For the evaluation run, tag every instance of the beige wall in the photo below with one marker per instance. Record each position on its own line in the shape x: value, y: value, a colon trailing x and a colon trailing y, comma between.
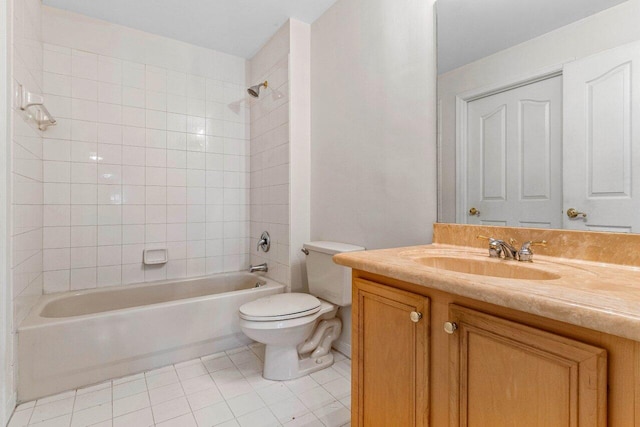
x: 373, y: 125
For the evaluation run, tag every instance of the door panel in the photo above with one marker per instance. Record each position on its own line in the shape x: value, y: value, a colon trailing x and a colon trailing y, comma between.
x: 602, y: 140
x: 493, y: 145
x: 502, y: 131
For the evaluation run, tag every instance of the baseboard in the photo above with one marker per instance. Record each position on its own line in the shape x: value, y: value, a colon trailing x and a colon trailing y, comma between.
x: 343, y: 347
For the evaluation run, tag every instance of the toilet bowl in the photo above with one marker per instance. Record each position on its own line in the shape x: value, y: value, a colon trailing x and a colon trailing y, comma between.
x: 296, y: 328
x: 285, y: 327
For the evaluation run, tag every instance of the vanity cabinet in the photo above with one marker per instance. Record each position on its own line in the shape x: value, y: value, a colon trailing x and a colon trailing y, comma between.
x: 506, y: 373
x: 498, y: 367
x: 390, y: 356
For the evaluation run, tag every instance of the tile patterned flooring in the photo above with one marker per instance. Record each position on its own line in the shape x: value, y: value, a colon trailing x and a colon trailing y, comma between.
x: 224, y: 389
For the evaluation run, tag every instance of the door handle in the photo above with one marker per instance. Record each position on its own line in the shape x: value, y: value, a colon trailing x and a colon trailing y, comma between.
x: 573, y: 213
x: 474, y: 212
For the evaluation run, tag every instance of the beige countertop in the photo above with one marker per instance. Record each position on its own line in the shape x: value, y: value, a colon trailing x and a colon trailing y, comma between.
x: 599, y: 296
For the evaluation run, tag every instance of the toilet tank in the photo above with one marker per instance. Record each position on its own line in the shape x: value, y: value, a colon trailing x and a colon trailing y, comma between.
x: 328, y: 280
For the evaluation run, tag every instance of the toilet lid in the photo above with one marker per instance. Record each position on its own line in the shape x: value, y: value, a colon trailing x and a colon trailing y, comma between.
x: 280, y: 307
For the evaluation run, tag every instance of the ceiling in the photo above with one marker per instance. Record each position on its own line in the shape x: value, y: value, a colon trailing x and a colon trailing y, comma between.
x: 237, y: 27
x: 472, y: 29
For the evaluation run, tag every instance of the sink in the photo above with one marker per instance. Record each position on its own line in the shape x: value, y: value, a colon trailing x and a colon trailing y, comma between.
x: 487, y: 267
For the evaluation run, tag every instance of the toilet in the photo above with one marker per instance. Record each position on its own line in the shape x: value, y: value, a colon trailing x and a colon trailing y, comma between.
x: 297, y: 328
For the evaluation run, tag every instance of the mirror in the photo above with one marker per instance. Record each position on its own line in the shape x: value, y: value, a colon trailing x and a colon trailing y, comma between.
x: 535, y: 120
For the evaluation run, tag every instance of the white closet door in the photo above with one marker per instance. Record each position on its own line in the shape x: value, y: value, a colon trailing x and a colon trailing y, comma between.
x: 602, y: 140
x: 514, y: 156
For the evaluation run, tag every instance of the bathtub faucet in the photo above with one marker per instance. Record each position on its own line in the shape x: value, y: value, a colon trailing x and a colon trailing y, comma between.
x: 259, y: 267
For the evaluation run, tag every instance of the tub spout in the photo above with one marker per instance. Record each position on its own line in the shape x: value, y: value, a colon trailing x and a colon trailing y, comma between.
x: 259, y: 267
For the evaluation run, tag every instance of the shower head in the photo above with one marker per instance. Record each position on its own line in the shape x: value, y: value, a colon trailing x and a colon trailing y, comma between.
x: 255, y: 90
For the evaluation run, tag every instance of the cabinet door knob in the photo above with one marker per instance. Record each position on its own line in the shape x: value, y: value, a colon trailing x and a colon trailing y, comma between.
x: 450, y: 327
x: 415, y: 316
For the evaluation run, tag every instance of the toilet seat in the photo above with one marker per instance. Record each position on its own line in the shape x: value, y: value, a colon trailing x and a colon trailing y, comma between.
x: 280, y: 307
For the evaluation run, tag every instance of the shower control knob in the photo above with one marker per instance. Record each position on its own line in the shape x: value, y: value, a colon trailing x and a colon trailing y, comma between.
x: 450, y: 327
x: 415, y: 316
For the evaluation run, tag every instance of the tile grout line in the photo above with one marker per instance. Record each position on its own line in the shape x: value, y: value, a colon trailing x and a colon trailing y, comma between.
x: 146, y: 384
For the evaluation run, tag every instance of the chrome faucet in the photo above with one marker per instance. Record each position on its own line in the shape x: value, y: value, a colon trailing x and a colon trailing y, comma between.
x: 259, y: 267
x: 501, y: 249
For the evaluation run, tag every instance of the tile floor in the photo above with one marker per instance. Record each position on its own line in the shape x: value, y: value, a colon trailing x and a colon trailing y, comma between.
x: 224, y: 389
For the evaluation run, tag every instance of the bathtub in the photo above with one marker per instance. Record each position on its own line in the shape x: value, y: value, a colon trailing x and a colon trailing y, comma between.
x: 75, y: 339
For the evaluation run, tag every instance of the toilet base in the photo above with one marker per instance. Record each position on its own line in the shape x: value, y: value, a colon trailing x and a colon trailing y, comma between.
x: 284, y: 363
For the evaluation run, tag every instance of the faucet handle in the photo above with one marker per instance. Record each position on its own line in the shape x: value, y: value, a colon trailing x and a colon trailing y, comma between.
x: 525, y: 253
x: 495, y: 251
x: 527, y: 245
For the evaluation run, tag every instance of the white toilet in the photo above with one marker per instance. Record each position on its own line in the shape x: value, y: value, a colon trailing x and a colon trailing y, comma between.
x: 298, y: 329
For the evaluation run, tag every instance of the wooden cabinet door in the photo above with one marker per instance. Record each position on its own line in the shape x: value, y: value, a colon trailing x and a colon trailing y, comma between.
x: 507, y: 374
x: 390, y: 350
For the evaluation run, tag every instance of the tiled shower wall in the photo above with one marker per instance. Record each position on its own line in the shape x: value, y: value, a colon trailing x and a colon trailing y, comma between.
x: 270, y: 155
x: 26, y: 162
x: 24, y: 224
x: 151, y: 150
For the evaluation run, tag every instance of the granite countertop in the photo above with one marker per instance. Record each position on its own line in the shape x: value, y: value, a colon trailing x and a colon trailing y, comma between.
x: 599, y: 296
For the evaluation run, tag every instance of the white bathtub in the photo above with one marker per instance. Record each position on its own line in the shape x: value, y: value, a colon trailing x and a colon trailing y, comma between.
x: 79, y: 338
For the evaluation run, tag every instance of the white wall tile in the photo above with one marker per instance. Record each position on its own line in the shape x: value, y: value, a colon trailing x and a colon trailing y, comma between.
x: 110, y: 154
x: 56, y: 84
x: 56, y: 281
x: 84, y: 88
x: 133, y: 74
x: 84, y: 215
x: 56, y: 237
x: 138, y: 159
x: 83, y: 278
x: 110, y: 93
x: 133, y: 234
x: 109, y: 235
x: 109, y: 275
x: 57, y: 194
x: 133, y: 97
x: 84, y: 110
x: 56, y: 172
x: 56, y: 259
x: 84, y: 194
x: 133, y: 214
x: 84, y: 64
x: 84, y: 173
x: 133, y: 136
x: 56, y: 62
x: 84, y: 235
x: 83, y: 257
x: 133, y: 116
x: 109, y: 113
x: 109, y: 70
x: 109, y: 255
x: 156, y: 138
x: 110, y: 134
